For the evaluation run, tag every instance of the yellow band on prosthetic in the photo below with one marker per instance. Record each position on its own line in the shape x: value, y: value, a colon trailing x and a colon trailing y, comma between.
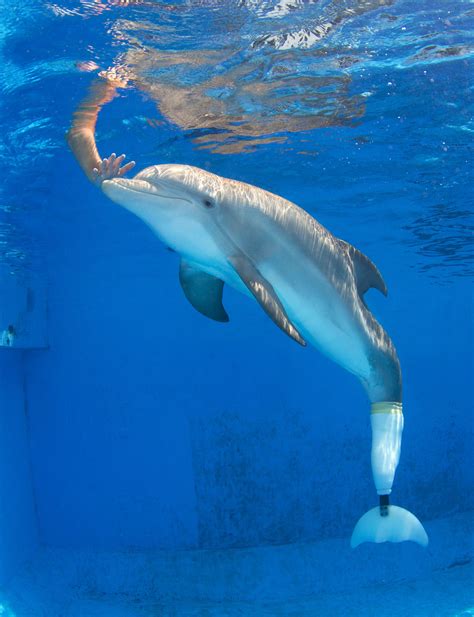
x: 387, y: 407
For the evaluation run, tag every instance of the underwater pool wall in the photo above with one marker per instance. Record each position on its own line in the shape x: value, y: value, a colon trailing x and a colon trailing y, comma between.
x: 18, y: 525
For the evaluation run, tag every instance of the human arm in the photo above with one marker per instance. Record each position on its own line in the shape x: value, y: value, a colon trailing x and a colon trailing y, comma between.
x: 81, y: 135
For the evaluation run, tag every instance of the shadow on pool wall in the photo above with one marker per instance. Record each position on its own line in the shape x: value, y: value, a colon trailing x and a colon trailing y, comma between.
x: 18, y: 525
x: 151, y: 426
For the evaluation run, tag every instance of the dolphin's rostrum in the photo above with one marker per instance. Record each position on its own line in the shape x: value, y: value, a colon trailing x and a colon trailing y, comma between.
x: 310, y: 283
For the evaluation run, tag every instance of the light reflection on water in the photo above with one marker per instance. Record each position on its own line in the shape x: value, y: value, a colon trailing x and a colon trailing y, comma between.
x: 243, y: 76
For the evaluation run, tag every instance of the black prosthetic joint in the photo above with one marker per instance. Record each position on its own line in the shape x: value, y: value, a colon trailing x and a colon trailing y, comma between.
x: 384, y: 502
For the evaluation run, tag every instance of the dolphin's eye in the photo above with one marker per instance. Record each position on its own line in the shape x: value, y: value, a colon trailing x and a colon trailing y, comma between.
x: 208, y: 203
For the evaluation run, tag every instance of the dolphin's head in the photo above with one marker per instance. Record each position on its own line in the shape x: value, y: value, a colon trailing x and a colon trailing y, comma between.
x: 178, y: 202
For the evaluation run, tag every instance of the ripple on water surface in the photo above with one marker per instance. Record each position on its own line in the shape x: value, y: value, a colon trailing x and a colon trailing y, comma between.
x: 346, y: 93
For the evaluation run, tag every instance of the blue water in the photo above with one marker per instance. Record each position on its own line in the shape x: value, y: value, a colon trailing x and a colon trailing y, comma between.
x: 153, y: 462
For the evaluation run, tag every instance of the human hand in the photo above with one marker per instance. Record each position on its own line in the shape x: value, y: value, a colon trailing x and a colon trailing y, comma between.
x: 111, y: 168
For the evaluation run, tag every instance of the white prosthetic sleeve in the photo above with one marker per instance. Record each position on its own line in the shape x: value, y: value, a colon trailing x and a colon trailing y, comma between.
x: 387, y: 426
x: 387, y: 523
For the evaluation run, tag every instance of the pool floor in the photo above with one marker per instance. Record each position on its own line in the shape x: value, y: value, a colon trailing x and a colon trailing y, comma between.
x: 324, y: 578
x: 449, y: 593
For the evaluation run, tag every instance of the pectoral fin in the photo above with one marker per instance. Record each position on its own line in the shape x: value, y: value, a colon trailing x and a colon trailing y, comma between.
x: 203, y: 291
x: 265, y: 295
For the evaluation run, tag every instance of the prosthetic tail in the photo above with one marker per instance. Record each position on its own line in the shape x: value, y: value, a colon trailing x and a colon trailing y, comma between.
x: 387, y: 523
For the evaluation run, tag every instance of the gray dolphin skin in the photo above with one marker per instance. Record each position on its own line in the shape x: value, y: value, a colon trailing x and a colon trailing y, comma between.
x: 310, y: 283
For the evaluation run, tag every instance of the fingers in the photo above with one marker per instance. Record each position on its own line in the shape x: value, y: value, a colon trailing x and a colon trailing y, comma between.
x: 126, y: 168
x: 118, y: 163
x: 107, y: 167
x: 110, y: 165
x: 111, y: 168
x: 97, y: 178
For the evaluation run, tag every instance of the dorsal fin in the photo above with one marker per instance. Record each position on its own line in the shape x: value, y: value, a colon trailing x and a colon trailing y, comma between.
x: 366, y: 272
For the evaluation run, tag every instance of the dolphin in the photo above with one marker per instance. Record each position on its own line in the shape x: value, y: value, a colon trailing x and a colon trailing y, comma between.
x: 309, y: 283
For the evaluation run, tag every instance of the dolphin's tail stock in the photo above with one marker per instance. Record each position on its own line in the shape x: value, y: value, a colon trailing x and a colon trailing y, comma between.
x: 387, y: 523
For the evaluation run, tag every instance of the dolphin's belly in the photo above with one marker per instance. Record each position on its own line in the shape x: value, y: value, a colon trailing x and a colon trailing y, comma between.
x: 320, y: 314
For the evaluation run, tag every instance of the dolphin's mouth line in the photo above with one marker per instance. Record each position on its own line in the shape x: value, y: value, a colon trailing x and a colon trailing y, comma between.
x: 150, y: 193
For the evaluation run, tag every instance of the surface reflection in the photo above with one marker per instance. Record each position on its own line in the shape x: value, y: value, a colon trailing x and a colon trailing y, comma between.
x: 247, y: 103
